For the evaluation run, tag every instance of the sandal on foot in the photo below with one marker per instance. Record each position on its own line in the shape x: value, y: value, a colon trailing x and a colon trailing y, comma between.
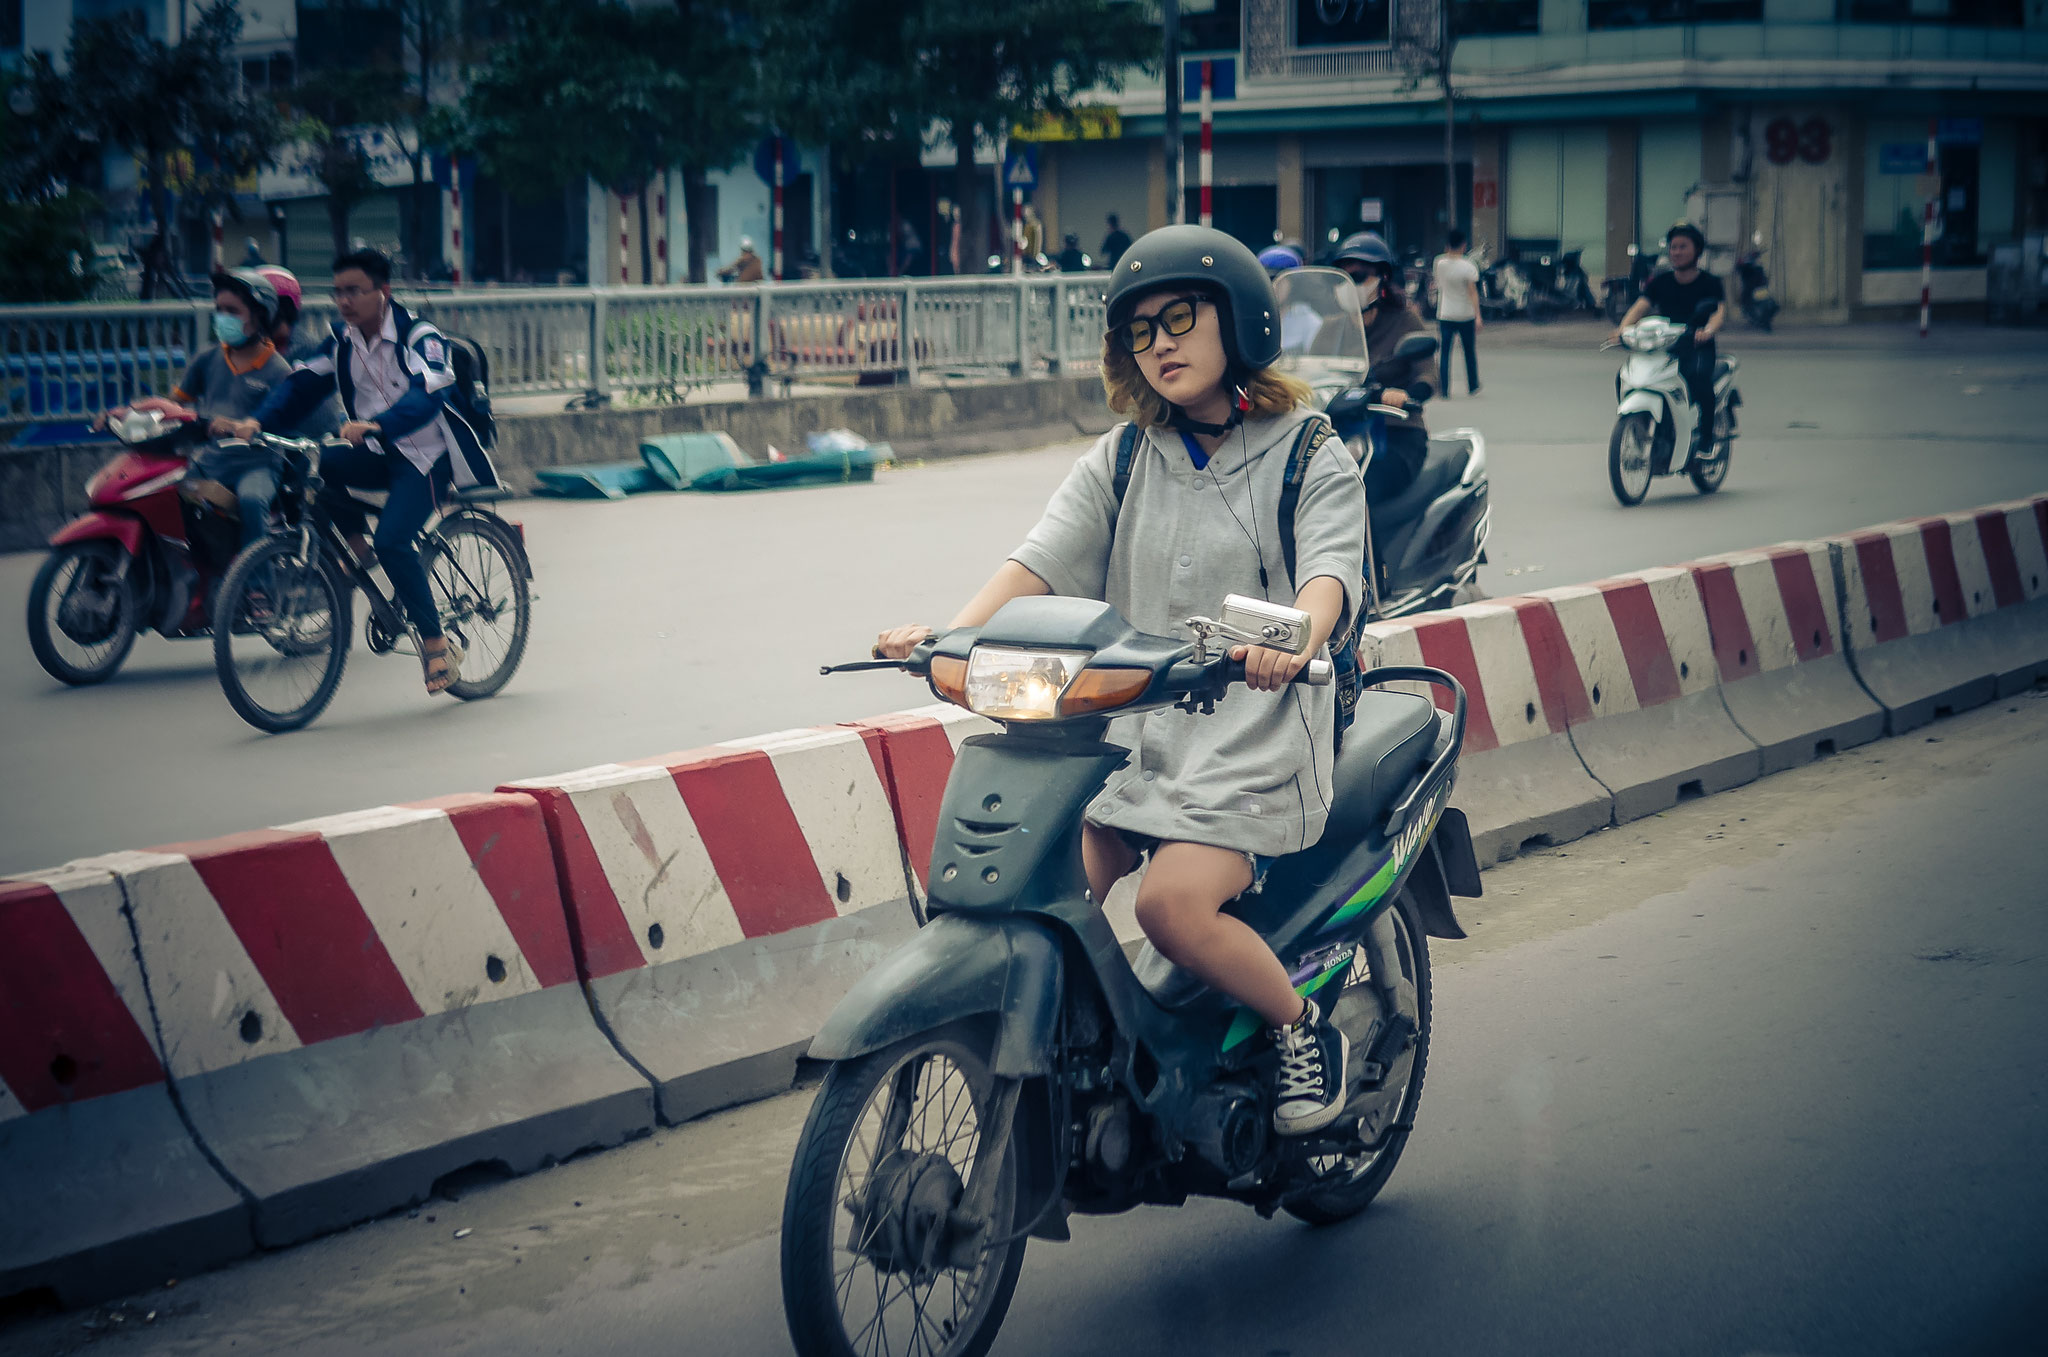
x: 442, y: 667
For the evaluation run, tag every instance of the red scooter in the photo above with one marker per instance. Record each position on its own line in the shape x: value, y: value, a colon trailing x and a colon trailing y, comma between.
x: 148, y: 554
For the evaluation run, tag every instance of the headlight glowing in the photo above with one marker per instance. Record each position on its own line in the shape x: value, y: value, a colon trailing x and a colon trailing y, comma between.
x: 1006, y: 684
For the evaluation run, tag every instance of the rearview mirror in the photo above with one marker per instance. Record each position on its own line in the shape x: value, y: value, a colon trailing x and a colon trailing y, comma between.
x: 1415, y: 347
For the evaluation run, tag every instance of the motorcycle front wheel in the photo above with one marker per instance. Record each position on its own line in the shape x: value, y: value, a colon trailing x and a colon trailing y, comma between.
x: 1628, y: 457
x: 885, y: 1156
x: 1346, y: 1185
x: 82, y: 613
x: 1708, y: 473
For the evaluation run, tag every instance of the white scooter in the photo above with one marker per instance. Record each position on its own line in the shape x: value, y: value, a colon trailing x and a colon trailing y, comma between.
x: 1653, y: 423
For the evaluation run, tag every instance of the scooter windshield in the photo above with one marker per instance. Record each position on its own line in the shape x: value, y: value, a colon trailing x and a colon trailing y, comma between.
x: 1322, y: 335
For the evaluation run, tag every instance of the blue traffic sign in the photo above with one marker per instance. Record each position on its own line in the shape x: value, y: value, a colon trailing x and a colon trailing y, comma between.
x: 1222, y: 79
x: 1020, y: 168
x: 764, y: 160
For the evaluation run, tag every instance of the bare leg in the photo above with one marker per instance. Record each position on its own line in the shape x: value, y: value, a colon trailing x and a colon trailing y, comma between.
x: 1108, y: 858
x: 1180, y: 906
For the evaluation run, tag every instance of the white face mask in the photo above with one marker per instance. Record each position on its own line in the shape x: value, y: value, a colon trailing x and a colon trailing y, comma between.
x: 1369, y: 291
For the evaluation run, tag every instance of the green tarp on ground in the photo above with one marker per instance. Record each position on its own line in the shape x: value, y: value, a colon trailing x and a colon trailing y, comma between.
x: 711, y: 462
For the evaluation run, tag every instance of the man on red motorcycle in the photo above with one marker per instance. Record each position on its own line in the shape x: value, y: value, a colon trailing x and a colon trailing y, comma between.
x: 226, y: 384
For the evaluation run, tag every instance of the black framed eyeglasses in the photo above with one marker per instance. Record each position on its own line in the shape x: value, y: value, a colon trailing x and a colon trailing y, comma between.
x: 1177, y: 317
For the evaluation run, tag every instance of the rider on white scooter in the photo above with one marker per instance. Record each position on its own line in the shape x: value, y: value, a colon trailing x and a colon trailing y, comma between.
x: 1676, y: 294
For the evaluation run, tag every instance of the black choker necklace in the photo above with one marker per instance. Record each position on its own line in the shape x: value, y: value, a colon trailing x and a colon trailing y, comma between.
x: 1239, y: 408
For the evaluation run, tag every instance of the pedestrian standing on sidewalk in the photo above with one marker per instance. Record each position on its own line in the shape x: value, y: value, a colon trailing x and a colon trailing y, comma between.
x: 1457, y: 310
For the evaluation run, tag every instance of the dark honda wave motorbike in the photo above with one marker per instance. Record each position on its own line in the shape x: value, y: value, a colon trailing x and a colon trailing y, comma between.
x: 1753, y: 289
x: 1009, y: 1067
x: 1424, y: 547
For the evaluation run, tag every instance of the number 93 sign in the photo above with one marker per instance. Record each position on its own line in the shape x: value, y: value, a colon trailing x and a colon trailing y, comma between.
x: 1786, y: 141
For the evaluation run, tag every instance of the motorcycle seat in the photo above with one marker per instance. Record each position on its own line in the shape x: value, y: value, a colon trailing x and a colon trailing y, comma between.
x: 1441, y: 469
x: 1388, y: 743
x: 476, y: 494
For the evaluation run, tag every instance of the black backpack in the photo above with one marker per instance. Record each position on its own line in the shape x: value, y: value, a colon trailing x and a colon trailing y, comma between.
x: 470, y: 397
x: 1307, y: 442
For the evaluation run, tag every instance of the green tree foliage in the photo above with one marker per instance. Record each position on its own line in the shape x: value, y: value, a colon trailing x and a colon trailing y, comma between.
x: 338, y: 109
x: 162, y: 102
x: 613, y: 92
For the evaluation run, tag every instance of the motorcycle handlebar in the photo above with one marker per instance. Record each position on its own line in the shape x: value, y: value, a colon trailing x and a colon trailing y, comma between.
x: 1188, y: 676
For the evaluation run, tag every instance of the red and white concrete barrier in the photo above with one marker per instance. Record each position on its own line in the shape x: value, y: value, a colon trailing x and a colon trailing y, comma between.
x: 1647, y: 717
x: 1520, y: 780
x: 1778, y: 642
x: 354, y: 1007
x: 102, y: 1189
x: 1947, y: 613
x: 723, y: 900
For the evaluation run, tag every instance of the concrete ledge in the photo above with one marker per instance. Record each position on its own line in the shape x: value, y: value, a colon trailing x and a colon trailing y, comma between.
x: 42, y: 488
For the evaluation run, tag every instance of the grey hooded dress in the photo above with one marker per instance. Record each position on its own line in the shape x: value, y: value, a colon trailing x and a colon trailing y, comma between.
x: 1254, y: 776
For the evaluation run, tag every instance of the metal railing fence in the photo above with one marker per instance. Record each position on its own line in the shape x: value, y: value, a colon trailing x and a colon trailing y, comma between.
x: 650, y: 343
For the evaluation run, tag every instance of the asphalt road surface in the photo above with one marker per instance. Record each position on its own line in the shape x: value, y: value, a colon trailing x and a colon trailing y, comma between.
x: 1761, y: 1075
x: 665, y: 623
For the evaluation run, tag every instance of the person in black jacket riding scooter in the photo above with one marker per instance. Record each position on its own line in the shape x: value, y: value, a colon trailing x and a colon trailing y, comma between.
x: 1389, y: 319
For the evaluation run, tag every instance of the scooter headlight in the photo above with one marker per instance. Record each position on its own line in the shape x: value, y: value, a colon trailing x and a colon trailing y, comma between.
x: 1007, y: 684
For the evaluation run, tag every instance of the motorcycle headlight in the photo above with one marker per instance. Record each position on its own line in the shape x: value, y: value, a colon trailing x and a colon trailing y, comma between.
x: 1006, y: 684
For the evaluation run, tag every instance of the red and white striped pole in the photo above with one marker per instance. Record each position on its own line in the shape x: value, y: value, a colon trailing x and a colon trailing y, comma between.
x: 661, y: 227
x: 625, y: 243
x: 219, y: 240
x: 1927, y: 230
x: 1208, y: 166
x: 776, y: 272
x: 451, y: 210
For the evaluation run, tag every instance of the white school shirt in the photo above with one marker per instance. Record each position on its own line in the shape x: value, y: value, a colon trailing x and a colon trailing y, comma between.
x: 381, y: 377
x: 1453, y: 300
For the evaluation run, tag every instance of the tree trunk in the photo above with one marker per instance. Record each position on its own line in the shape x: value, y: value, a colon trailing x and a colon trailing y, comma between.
x: 967, y: 202
x: 505, y: 238
x: 158, y: 251
x: 337, y: 220
x: 823, y: 195
x: 693, y: 214
x: 416, y: 252
x: 646, y: 246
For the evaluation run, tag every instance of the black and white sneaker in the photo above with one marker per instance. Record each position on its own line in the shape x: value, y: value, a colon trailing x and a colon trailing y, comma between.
x: 1309, y: 1090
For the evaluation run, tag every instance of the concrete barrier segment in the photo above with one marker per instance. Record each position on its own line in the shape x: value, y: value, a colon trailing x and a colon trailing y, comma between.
x: 1907, y: 592
x: 102, y: 1188
x: 724, y: 899
x: 917, y: 748
x: 1520, y: 780
x: 1777, y: 635
x: 1649, y: 722
x: 354, y: 1007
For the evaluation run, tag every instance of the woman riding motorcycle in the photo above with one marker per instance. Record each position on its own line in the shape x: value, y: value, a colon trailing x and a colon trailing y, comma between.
x: 1389, y: 319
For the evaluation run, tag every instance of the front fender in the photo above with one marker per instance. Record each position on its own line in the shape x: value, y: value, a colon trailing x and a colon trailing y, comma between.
x: 958, y: 966
x: 1641, y: 401
x: 123, y: 528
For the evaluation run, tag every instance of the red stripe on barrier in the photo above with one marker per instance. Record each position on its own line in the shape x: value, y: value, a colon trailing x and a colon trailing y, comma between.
x: 1447, y: 645
x: 1941, y: 568
x: 920, y: 759
x: 1999, y: 559
x: 1881, y: 588
x: 507, y: 843
x: 1812, y: 636
x: 300, y: 922
x: 1727, y: 621
x: 755, y: 842
x: 598, y: 932
x: 1558, y: 681
x: 65, y: 1035
x: 1641, y: 631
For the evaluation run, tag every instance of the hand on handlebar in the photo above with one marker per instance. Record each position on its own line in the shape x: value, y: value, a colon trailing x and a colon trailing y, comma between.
x: 1266, y: 669
x: 356, y: 430
x: 897, y: 642
x: 237, y: 428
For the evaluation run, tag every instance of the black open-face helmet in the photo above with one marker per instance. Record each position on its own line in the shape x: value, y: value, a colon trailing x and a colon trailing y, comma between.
x: 1217, y: 263
x: 1364, y: 247
x: 1691, y: 232
x: 255, y: 290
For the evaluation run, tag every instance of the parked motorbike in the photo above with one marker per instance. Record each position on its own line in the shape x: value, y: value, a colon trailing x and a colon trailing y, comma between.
x: 1009, y: 1066
x: 1753, y: 288
x: 1654, y: 420
x: 1504, y: 289
x: 1559, y: 285
x: 1419, y: 282
x: 147, y: 555
x: 1619, y: 293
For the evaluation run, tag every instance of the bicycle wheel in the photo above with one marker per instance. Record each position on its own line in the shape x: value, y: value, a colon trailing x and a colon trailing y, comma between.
x: 478, y: 574
x: 280, y: 634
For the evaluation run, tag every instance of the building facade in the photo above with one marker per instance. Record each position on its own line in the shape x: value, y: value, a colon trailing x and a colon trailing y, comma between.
x: 1592, y: 125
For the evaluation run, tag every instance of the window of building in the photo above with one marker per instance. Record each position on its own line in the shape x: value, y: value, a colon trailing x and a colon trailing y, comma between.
x: 1342, y: 23
x: 1977, y: 165
x: 1219, y: 28
x: 13, y: 32
x: 1960, y: 13
x: 1487, y: 18
x: 351, y: 33
x: 1643, y: 13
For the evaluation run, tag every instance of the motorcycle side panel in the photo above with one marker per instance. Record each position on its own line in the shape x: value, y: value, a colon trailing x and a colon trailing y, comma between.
x: 120, y: 527
x: 958, y: 966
